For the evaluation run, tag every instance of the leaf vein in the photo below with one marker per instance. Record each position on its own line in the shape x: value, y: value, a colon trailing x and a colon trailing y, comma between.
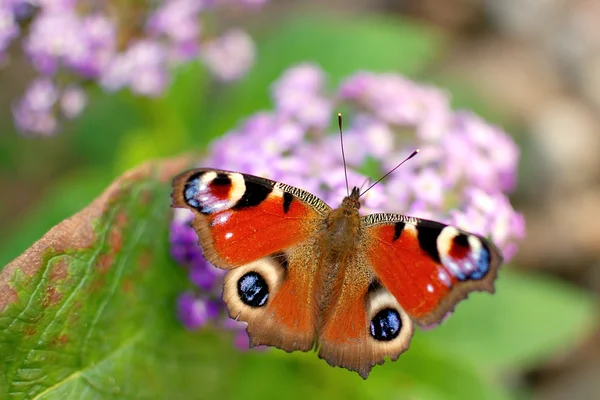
x: 131, y: 341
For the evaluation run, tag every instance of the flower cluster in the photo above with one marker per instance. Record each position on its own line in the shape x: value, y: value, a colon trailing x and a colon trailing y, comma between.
x: 462, y: 175
x: 115, y: 44
x: 197, y: 309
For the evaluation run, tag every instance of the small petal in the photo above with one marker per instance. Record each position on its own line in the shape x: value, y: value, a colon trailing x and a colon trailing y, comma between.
x: 230, y: 56
x: 73, y: 101
x: 195, y: 312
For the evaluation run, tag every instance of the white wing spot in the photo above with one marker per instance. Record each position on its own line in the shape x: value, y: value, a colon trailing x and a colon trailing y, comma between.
x: 277, y: 192
x: 222, y: 218
x: 444, y: 278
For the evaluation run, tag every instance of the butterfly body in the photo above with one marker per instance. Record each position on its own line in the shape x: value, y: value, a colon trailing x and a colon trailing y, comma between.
x: 306, y: 276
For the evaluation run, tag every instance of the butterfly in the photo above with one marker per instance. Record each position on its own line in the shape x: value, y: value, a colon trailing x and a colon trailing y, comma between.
x: 305, y: 276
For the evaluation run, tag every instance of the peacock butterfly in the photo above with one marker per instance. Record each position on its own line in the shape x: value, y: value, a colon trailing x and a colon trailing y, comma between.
x: 305, y: 276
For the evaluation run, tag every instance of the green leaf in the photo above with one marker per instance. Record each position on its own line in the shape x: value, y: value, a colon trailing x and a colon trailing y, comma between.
x: 530, y: 318
x: 341, y: 45
x: 88, y: 310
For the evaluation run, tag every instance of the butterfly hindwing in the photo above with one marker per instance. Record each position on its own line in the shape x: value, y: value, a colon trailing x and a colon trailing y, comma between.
x: 364, y: 324
x: 428, y: 266
x: 260, y: 231
x: 273, y: 296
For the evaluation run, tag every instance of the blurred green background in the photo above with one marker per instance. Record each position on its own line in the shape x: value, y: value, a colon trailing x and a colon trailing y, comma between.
x: 537, y: 337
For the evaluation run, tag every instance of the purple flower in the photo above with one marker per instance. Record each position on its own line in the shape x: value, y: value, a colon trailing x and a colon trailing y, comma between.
x: 297, y: 96
x: 77, y: 46
x: 142, y: 68
x: 54, y: 39
x: 35, y: 110
x: 177, y: 21
x: 99, y: 34
x: 8, y: 28
x: 195, y: 312
x: 428, y: 186
x: 73, y: 101
x: 462, y: 175
x: 230, y: 56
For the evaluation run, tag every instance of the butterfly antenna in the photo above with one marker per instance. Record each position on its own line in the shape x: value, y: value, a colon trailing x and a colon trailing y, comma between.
x: 343, y: 154
x: 414, y: 153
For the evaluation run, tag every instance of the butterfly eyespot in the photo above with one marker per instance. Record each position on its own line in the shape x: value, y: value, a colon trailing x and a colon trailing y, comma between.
x: 386, y: 325
x: 253, y: 289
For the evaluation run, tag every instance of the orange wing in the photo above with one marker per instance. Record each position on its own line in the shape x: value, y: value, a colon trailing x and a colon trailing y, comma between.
x: 365, y: 324
x: 260, y: 231
x: 428, y: 266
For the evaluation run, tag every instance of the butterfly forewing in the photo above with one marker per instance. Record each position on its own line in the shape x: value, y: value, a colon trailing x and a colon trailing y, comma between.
x: 263, y: 232
x: 242, y: 218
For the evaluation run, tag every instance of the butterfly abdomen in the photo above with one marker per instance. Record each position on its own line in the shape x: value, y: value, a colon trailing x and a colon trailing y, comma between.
x: 342, y: 230
x: 339, y: 242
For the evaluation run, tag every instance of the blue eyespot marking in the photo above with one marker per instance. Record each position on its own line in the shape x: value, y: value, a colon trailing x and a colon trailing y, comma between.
x: 208, y: 196
x: 386, y: 325
x: 483, y: 264
x: 461, y: 276
x: 253, y: 290
x: 473, y: 266
x: 191, y: 191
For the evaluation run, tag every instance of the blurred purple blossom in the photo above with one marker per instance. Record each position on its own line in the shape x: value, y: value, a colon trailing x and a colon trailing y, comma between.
x: 462, y: 176
x: 297, y: 96
x: 34, y: 110
x: 8, y: 28
x: 194, y: 312
x: 76, y: 43
x: 229, y: 56
x: 142, y: 68
x: 73, y: 101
